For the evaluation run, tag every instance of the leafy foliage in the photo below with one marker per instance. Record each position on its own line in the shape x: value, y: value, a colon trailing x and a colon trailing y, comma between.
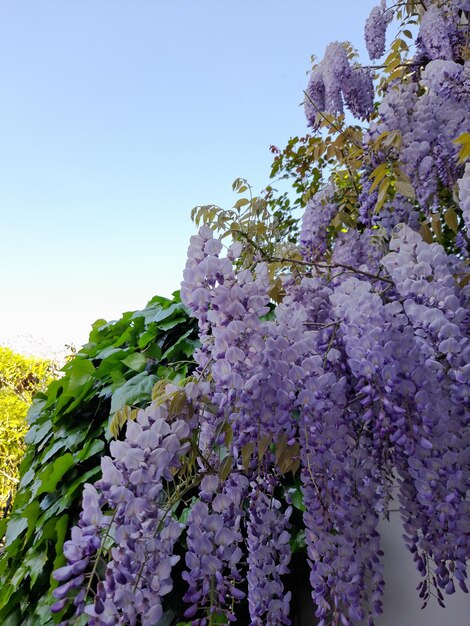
x: 69, y: 431
x: 287, y: 437
x: 299, y: 418
x: 20, y: 378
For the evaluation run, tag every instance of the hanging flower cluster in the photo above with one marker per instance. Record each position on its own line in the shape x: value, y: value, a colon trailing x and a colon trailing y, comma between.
x: 358, y: 380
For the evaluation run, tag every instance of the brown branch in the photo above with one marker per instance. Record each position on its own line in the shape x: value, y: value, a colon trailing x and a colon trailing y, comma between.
x: 333, y: 266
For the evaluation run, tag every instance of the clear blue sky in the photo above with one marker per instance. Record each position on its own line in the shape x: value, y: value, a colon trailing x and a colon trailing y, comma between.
x: 116, y: 118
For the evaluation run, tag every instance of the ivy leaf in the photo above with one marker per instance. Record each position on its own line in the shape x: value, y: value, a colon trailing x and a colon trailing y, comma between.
x: 80, y: 374
x: 184, y: 345
x: 91, y: 448
x: 171, y: 323
x: 81, y: 480
x: 52, y: 449
x: 134, y: 391
x: 135, y: 361
x: 158, y: 313
x: 52, y: 474
x: 16, y: 526
x: 34, y: 563
x: 37, y: 433
x: 61, y: 531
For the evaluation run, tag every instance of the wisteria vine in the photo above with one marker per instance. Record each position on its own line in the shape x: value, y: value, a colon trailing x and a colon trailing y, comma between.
x: 358, y: 380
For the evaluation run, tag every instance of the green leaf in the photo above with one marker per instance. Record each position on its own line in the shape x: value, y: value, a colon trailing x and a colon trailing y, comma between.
x: 62, y: 526
x: 158, y: 314
x: 107, y: 352
x: 52, y: 474
x: 16, y: 526
x: 81, y: 480
x: 37, y: 433
x: 91, y: 448
x: 13, y: 618
x: 171, y: 323
x: 297, y: 499
x: 297, y: 542
x: 51, y: 450
x: 149, y: 335
x: 166, y: 619
x: 184, y: 345
x: 118, y: 378
x: 36, y: 409
x: 80, y: 374
x: 153, y: 352
x: 34, y: 563
x: 134, y: 391
x: 26, y: 479
x: 74, y: 436
x: 135, y: 361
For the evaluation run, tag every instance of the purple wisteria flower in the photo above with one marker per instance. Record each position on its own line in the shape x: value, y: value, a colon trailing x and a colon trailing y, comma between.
x: 269, y: 555
x: 317, y: 216
x: 127, y: 508
x: 375, y: 30
x: 213, y: 558
x: 334, y: 83
x: 439, y: 32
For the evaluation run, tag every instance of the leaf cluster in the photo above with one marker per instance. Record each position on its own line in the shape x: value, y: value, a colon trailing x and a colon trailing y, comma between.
x: 69, y: 432
x: 20, y: 378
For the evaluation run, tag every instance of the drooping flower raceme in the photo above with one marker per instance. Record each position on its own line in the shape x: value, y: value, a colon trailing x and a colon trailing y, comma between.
x: 356, y: 381
x: 375, y: 30
x: 141, y: 533
x: 269, y: 554
x: 334, y: 83
x: 213, y: 556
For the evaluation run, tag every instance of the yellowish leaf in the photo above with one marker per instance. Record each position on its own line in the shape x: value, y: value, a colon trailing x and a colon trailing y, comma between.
x: 378, y: 174
x: 464, y: 141
x: 426, y: 232
x: 247, y: 451
x: 240, y: 203
x: 263, y: 444
x: 382, y: 195
x: 450, y: 218
x: 436, y: 225
x: 177, y: 403
x: 405, y: 189
x: 226, y: 467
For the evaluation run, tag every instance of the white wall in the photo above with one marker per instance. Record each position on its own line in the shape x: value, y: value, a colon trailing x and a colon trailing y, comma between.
x: 402, y: 606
